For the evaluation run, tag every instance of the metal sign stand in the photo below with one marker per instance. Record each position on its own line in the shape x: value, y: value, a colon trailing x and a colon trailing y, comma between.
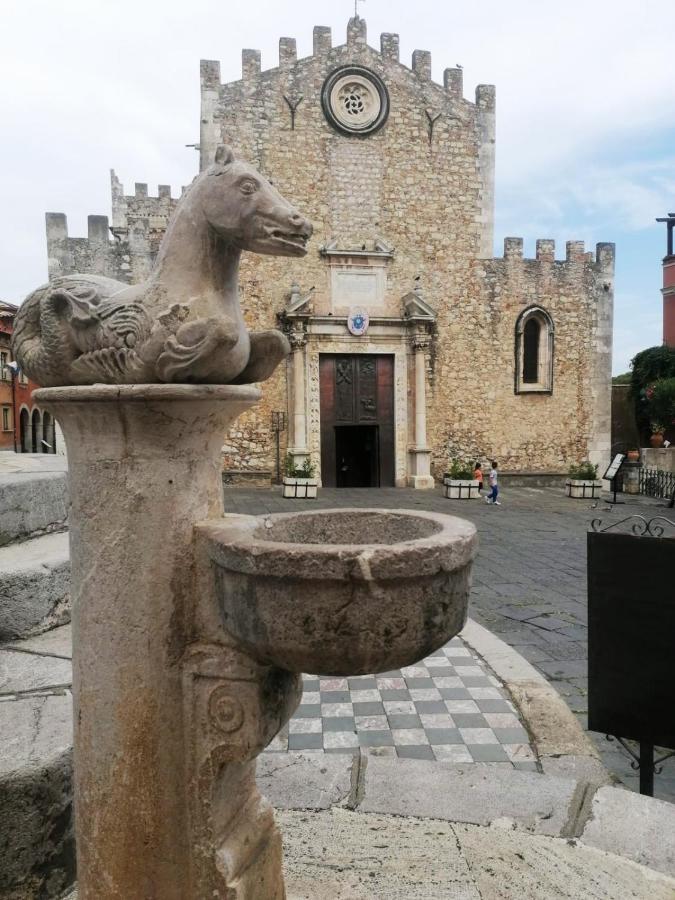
x: 611, y: 474
x: 644, y: 762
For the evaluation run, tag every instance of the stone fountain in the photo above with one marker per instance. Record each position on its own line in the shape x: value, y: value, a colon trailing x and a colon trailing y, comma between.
x: 190, y: 629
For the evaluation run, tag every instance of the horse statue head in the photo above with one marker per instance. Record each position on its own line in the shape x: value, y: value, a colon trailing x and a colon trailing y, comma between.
x: 248, y: 212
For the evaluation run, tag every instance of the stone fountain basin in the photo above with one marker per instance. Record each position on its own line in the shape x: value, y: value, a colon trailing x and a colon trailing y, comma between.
x: 342, y: 591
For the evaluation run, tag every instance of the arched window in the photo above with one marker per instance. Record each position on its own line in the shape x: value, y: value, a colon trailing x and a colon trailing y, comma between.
x: 534, y: 351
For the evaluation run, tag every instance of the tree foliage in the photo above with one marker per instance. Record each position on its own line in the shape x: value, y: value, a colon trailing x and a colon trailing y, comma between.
x: 649, y: 367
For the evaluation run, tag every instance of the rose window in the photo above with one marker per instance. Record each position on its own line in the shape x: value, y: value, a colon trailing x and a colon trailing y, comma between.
x: 355, y: 100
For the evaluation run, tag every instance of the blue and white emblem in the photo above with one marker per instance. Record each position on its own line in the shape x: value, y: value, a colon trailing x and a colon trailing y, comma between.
x: 357, y: 322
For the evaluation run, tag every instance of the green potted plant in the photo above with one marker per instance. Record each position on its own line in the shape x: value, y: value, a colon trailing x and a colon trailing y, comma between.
x: 583, y: 482
x: 459, y: 483
x: 299, y: 481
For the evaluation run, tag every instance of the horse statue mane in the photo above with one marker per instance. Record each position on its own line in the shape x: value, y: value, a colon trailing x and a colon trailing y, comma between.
x: 184, y: 324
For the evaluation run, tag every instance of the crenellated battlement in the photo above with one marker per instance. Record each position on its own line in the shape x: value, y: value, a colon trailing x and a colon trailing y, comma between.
x: 127, y: 209
x: 124, y: 250
x: 356, y: 37
x: 575, y: 253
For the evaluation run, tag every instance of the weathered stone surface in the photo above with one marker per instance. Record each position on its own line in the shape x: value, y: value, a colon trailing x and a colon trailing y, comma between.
x: 36, y: 832
x: 312, y: 781
x: 23, y: 672
x: 506, y: 864
x: 342, y: 592
x: 31, y: 503
x: 477, y: 794
x: 34, y: 585
x: 640, y: 828
x: 342, y: 855
x: 169, y: 713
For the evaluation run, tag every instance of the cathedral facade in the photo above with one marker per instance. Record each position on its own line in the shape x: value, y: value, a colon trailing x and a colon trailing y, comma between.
x: 411, y: 343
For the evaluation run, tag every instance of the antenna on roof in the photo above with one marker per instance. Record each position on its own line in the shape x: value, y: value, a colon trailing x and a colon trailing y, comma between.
x: 356, y: 9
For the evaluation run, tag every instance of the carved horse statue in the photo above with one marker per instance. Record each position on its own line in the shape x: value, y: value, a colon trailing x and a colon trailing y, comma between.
x: 184, y: 324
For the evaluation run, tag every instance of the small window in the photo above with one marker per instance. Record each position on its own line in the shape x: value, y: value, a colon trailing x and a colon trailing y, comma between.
x: 534, y: 351
x: 4, y: 369
x: 6, y: 418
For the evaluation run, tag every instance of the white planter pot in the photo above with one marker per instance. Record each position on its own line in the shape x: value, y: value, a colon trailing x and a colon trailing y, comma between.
x: 583, y: 490
x: 458, y: 489
x: 300, y: 488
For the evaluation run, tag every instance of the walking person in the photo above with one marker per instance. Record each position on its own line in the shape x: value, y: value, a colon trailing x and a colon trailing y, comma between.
x: 478, y: 476
x: 494, y: 487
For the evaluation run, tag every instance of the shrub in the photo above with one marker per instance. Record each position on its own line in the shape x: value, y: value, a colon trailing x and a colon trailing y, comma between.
x: 662, y: 402
x: 584, y: 471
x: 649, y: 367
x: 306, y: 470
x: 461, y: 471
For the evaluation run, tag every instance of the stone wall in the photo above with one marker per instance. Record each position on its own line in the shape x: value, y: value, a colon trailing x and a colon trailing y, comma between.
x: 475, y: 408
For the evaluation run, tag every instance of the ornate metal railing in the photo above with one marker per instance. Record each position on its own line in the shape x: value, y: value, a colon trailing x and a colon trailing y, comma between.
x: 656, y: 483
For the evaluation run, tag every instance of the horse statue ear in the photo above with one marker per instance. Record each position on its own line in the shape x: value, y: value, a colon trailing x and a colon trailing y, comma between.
x: 224, y: 155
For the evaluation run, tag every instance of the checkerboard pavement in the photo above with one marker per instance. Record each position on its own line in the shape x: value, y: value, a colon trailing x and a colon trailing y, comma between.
x: 448, y: 707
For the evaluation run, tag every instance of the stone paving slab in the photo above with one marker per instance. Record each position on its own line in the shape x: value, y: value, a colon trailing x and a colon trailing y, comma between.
x: 33, y: 501
x: 476, y: 795
x: 617, y: 817
x: 529, y: 579
x: 23, y: 673
x: 34, y: 585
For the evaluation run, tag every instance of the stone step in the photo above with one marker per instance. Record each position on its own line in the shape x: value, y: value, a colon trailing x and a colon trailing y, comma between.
x: 36, y: 832
x: 34, y: 586
x: 33, y: 496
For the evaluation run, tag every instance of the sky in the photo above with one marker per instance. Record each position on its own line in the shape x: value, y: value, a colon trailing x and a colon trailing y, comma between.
x: 585, y: 114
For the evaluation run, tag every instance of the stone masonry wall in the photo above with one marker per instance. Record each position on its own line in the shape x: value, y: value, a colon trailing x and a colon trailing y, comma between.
x: 474, y: 410
x: 425, y: 197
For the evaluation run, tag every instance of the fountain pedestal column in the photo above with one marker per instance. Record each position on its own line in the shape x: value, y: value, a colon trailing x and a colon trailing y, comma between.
x: 144, y: 467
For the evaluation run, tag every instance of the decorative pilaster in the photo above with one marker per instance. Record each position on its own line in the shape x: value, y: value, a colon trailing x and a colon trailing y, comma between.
x: 420, y: 456
x: 297, y: 337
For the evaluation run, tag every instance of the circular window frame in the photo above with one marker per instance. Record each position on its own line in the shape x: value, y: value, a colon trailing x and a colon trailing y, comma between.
x: 378, y: 86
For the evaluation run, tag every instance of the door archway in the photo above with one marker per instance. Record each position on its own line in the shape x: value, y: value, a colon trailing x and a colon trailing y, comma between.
x: 24, y: 430
x: 36, y: 431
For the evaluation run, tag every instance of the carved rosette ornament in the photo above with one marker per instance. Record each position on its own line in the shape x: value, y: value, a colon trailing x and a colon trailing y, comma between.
x: 225, y: 711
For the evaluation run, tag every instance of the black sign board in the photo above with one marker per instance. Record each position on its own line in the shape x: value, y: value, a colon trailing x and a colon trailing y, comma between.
x: 631, y: 629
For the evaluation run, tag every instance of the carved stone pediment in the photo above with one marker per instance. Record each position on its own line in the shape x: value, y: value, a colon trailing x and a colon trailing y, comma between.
x: 416, y: 307
x: 299, y: 301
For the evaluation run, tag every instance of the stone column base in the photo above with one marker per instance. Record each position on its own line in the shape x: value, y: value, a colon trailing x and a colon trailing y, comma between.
x: 421, y: 482
x: 420, y: 476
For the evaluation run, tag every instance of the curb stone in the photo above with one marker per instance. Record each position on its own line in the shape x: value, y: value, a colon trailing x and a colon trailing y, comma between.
x: 562, y: 746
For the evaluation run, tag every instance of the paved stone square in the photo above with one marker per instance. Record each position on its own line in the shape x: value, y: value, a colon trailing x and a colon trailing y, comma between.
x: 529, y: 583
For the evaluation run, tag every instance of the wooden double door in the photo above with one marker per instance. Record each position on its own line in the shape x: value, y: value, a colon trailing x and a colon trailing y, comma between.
x: 357, y: 420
